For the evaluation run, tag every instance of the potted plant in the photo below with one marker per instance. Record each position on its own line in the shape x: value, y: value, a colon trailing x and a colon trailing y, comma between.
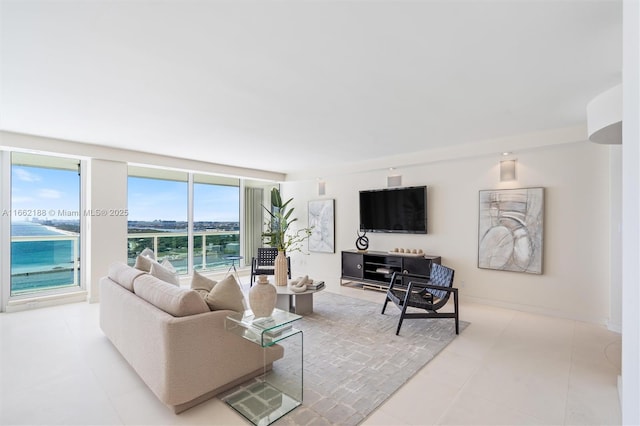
x: 277, y: 233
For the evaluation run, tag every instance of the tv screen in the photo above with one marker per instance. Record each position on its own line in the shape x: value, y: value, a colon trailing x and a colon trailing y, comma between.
x: 402, y: 210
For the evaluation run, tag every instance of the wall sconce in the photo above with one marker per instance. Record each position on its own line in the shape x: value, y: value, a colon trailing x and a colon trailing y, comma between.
x: 507, y: 170
x: 321, y: 187
x: 394, y: 180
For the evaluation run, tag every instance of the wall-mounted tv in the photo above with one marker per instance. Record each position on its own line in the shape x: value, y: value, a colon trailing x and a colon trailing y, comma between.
x: 402, y: 210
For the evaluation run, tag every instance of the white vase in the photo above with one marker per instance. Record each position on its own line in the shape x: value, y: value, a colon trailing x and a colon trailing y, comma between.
x: 281, y: 270
x: 262, y: 298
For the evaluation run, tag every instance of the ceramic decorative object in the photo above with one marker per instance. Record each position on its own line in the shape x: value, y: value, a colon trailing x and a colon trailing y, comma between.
x: 262, y: 297
x: 281, y: 270
x: 300, y: 284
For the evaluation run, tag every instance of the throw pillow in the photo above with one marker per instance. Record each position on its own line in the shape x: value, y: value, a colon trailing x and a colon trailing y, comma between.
x: 226, y: 294
x: 168, y: 265
x: 202, y: 284
x: 164, y: 274
x: 148, y: 253
x: 143, y: 263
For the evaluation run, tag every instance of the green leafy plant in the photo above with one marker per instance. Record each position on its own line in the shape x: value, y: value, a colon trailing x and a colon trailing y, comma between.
x: 277, y: 233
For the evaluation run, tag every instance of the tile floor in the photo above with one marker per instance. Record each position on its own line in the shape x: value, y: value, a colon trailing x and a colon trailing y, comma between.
x: 507, y: 368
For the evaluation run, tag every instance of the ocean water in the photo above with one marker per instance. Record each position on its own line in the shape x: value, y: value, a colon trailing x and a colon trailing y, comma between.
x: 40, y: 264
x: 45, y: 264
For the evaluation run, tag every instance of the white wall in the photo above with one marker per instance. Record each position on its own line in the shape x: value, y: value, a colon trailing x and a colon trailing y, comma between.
x: 576, y: 176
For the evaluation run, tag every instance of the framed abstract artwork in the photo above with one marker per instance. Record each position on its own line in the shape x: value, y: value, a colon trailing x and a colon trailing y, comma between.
x: 510, y: 230
x: 321, y: 222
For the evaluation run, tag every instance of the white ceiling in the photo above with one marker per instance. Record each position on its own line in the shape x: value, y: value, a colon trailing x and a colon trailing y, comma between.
x: 291, y: 85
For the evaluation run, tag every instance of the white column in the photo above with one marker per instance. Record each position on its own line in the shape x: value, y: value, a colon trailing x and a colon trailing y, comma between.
x: 106, y: 226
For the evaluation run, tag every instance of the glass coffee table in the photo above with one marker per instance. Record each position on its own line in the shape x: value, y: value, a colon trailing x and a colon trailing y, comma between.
x: 279, y: 390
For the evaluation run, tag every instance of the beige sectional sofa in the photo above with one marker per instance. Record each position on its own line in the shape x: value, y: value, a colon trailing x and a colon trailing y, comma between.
x: 173, y: 341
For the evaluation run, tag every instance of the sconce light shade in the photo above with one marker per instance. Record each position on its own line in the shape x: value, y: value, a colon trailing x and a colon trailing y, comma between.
x: 604, y: 117
x: 395, y: 180
x: 507, y: 170
x: 321, y: 187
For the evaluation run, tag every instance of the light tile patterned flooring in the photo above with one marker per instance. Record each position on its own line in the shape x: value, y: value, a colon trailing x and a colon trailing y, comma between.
x: 507, y: 367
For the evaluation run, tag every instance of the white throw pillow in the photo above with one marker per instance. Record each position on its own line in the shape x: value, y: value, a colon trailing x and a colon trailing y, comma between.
x: 143, y: 263
x: 148, y: 253
x: 168, y: 265
x: 164, y: 274
x: 226, y: 294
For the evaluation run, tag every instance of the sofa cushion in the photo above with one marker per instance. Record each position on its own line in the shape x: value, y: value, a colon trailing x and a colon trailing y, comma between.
x: 123, y: 274
x: 226, y: 294
x: 163, y: 273
x: 201, y: 284
x: 170, y: 298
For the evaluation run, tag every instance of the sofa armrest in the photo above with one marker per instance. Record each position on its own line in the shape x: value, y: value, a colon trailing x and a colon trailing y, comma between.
x: 202, y: 355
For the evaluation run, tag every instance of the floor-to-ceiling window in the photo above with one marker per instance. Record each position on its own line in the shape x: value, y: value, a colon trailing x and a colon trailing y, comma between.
x: 216, y: 221
x: 157, y: 203
x: 199, y: 232
x: 45, y: 224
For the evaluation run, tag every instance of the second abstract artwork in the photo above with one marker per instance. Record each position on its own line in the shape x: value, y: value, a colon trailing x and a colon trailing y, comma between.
x: 510, y: 231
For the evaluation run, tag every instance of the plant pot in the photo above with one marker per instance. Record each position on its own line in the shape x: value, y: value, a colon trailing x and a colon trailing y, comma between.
x: 262, y: 298
x: 281, y: 269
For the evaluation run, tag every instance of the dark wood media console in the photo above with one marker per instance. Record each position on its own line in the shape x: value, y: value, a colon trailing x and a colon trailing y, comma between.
x: 374, y: 268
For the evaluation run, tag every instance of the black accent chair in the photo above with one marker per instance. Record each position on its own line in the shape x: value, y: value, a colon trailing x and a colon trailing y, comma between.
x: 428, y: 293
x: 262, y: 264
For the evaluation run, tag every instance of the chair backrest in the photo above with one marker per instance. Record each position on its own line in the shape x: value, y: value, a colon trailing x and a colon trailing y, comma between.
x: 266, y: 256
x: 442, y: 276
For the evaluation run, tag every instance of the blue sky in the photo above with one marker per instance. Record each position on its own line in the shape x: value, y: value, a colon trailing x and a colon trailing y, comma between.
x: 44, y: 191
x: 151, y: 199
x: 51, y: 191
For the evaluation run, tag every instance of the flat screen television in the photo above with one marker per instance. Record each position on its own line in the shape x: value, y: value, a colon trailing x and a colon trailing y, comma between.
x: 401, y: 210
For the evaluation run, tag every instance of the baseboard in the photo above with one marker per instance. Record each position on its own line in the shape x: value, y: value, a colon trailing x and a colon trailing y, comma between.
x: 616, y: 328
x: 535, y: 310
x: 620, y: 391
x: 24, y: 304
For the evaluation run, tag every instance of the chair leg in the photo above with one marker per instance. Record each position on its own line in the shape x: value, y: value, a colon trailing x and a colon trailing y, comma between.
x: 386, y: 300
x: 251, y: 280
x: 404, y: 309
x: 455, y: 308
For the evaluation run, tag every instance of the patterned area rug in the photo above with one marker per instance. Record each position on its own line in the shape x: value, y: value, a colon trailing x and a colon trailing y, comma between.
x: 353, y: 361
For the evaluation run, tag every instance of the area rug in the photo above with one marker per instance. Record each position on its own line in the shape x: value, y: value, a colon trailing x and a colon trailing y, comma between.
x: 353, y: 361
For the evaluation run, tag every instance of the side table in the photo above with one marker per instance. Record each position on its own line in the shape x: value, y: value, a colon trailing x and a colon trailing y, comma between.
x: 297, y: 302
x: 233, y: 260
x: 279, y: 390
